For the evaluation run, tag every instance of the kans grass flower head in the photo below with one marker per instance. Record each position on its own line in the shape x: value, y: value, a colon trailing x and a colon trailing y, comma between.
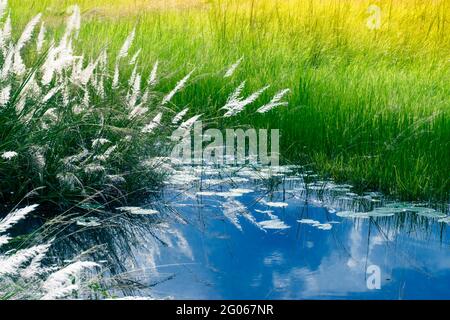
x: 8, y: 155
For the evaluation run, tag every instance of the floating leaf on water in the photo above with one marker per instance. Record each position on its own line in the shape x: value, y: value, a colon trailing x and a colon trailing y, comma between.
x: 323, y: 226
x: 351, y: 194
x: 275, y: 224
x: 421, y: 211
x: 316, y: 224
x: 363, y: 215
x: 445, y: 220
x: 182, y: 179
x: 308, y: 221
x: 376, y: 213
x: 340, y: 189
x: 387, y: 210
x: 228, y: 194
x: 206, y: 193
x: 243, y: 191
x: 427, y: 212
x: 346, y: 198
x: 138, y: 210
x: 275, y: 204
x: 264, y: 211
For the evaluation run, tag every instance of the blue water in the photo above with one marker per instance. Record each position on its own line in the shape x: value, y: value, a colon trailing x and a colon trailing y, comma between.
x: 225, y: 259
x: 279, y: 234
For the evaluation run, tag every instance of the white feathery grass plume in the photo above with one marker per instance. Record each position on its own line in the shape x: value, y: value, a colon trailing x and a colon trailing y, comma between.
x: 35, y: 266
x: 27, y: 32
x: 145, y: 97
x: 8, y: 155
x: 3, y: 6
x: 58, y: 59
x: 115, y: 82
x: 184, y: 129
x: 99, y: 84
x: 87, y: 73
x: 82, y: 76
x: 236, y: 104
x: 69, y: 180
x: 237, y: 93
x: 7, y: 63
x: 137, y: 111
x: 135, y: 57
x: 19, y: 105
x: 99, y: 142
x: 109, y: 151
x: 10, y: 265
x: 86, y: 98
x: 275, y: 102
x: 233, y: 68
x: 187, y: 125
x: 103, y: 60
x: 74, y: 21
x: 13, y: 217
x: 5, y: 94
x: 254, y: 96
x: 19, y: 67
x: 105, y: 156
x: 41, y: 38
x: 65, y: 95
x: 133, y: 76
x: 6, y: 31
x: 153, y: 74
x: 49, y: 65
x: 179, y: 116
x: 77, y: 66
x: 50, y: 94
x: 50, y: 115
x: 76, y: 157
x: 2, y: 43
x: 153, y: 124
x: 180, y: 85
x: 38, y: 157
x: 115, y: 178
x: 31, y: 87
x: 60, y: 284
x: 61, y: 293
x: 4, y: 240
x: 135, y: 91
x: 126, y: 45
x: 78, y: 108
x: 94, y: 168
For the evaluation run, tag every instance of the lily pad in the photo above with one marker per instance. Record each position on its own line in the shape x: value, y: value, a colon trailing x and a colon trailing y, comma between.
x: 138, y: 210
x: 365, y: 215
x: 445, y: 220
x: 421, y: 211
x: 275, y: 224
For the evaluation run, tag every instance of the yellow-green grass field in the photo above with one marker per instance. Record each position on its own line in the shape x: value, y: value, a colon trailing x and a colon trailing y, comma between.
x: 370, y: 104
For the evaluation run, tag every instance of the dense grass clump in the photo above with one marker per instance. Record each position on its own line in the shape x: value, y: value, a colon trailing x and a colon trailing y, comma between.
x: 369, y: 100
x: 70, y: 130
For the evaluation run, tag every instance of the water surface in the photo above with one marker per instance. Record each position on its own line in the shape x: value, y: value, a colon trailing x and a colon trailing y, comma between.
x: 259, y: 233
